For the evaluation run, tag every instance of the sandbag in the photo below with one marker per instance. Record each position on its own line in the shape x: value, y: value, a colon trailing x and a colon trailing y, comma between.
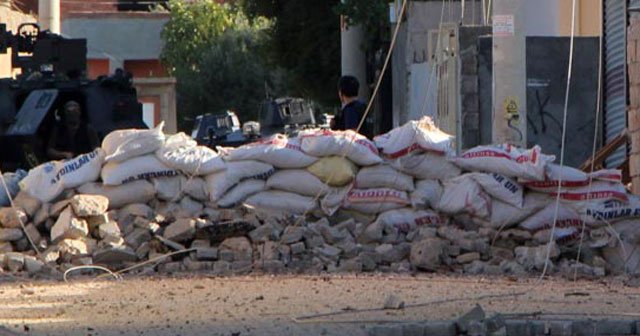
x: 373, y: 201
x: 464, y: 195
x: 277, y: 150
x: 405, y: 220
x: 138, y: 168
x: 135, y: 192
x: 334, y: 171
x: 169, y: 188
x: 506, y: 160
x: 571, y: 178
x: 544, y: 219
x: 383, y: 176
x: 47, y: 181
x: 181, y: 153
x: 426, y: 166
x: 501, y: 187
x: 421, y: 135
x: 598, y: 191
x: 122, y: 145
x: 239, y: 193
x: 196, y: 188
x: 609, y: 211
x: 219, y: 183
x: 286, y: 202
x: 298, y: 181
x: 355, y: 147
x: 12, y: 182
x: 505, y: 215
x: 427, y: 194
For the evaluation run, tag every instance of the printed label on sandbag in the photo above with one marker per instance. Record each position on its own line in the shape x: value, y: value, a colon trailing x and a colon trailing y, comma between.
x: 372, y: 201
x: 240, y: 192
x: 415, y: 136
x: 610, y: 210
x: 506, y: 160
x: 219, y: 183
x: 278, y: 150
x: 501, y: 187
x: 138, y: 168
x: 347, y: 143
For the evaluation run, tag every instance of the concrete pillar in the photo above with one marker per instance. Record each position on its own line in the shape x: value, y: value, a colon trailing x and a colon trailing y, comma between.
x: 633, y: 114
x: 49, y: 15
x: 509, y: 73
x: 354, y: 61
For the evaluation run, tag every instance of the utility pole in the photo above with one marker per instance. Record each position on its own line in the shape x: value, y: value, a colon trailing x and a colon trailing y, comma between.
x: 509, y: 73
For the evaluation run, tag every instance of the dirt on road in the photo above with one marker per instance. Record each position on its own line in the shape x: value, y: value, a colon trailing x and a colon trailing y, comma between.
x: 284, y: 305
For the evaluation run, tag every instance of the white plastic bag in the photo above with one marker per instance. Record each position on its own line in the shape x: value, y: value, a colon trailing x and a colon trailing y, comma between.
x: 427, y: 194
x: 138, y: 168
x: 426, y: 166
x: 421, y: 135
x: 180, y: 152
x: 298, y: 181
x: 506, y: 160
x: 571, y: 178
x: 119, y: 196
x: 500, y: 187
x: 356, y: 147
x: 377, y: 200
x: 277, y: 150
x: 405, y: 220
x: 239, y: 193
x: 122, y: 145
x: 383, y: 176
x: 47, y: 181
x: 464, y: 195
x: 169, y: 188
x: 505, y: 215
x: 219, y: 183
x: 283, y: 201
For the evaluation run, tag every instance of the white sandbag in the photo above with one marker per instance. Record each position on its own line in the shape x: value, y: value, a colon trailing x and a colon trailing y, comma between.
x: 122, y: 145
x: 506, y: 160
x: 505, y: 215
x: 135, y: 192
x: 571, y: 178
x: 427, y: 194
x: 169, y: 188
x: 239, y: 193
x: 421, y: 135
x: 464, y: 195
x: 426, y: 166
x: 544, y: 219
x: 609, y: 211
x: 219, y: 183
x: 47, y: 181
x: 298, y: 181
x: 180, y: 152
x: 625, y: 256
x: 405, y: 220
x: 373, y: 201
x: 138, y: 168
x: 278, y: 150
x: 501, y: 187
x: 598, y: 191
x: 283, y: 201
x: 196, y: 188
x: 383, y: 176
x: 12, y: 182
x: 356, y: 147
x: 334, y: 171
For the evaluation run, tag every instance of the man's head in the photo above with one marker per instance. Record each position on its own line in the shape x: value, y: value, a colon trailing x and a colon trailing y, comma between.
x: 72, y: 115
x: 348, y: 88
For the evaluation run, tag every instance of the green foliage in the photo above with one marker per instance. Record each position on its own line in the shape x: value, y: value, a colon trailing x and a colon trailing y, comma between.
x: 218, y: 58
x: 372, y: 14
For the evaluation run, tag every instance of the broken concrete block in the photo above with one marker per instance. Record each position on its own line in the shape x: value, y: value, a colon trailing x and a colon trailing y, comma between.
x: 468, y: 257
x: 197, y: 266
x: 136, y: 209
x: 143, y: 250
x: 110, y: 231
x: 511, y: 267
x: 226, y: 255
x: 42, y: 214
x: 329, y: 251
x: 333, y: 235
x: 33, y: 233
x: 476, y: 314
x: 292, y: 234
x: 74, y: 247
x: 5, y: 247
x: 181, y: 230
x: 268, y: 251
x: 270, y: 266
x: 137, y: 237
x: 7, y: 235
x: 425, y: 254
x: 68, y: 226
x: 240, y: 246
x: 89, y: 205
x: 56, y: 208
x: 171, y: 267
x: 33, y: 265
x: 535, y: 257
x: 221, y: 267
x: 29, y: 204
x: 115, y: 255
x: 10, y: 218
x: 50, y: 255
x: 396, y: 253
x: 207, y: 253
x: 261, y: 234
x: 372, y: 234
x: 350, y: 265
x: 14, y: 261
x: 297, y: 248
x: 393, y: 302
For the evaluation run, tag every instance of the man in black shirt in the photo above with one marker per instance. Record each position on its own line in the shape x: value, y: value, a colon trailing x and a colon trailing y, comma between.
x: 352, y: 108
x: 71, y: 137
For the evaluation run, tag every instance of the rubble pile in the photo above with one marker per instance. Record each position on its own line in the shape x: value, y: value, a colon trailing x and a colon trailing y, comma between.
x: 323, y: 201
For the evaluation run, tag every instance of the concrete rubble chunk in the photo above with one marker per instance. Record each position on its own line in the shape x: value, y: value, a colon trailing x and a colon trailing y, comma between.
x: 468, y: 257
x: 329, y: 251
x: 261, y: 234
x: 143, y: 250
x: 33, y: 265
x: 372, y: 234
x: 56, y: 208
x: 240, y: 246
x: 33, y: 233
x: 115, y: 255
x: 292, y: 234
x: 42, y: 214
x: 181, y: 230
x: 28, y: 204
x: 136, y: 209
x: 7, y: 235
x: 68, y: 226
x: 476, y: 314
x: 425, y: 254
x: 297, y: 248
x: 207, y: 253
x: 137, y: 237
x: 14, y: 261
x: 12, y: 218
x: 393, y: 302
x: 535, y: 257
x: 109, y: 231
x: 396, y: 253
x: 74, y: 247
x: 6, y: 247
x: 89, y: 205
x: 333, y: 235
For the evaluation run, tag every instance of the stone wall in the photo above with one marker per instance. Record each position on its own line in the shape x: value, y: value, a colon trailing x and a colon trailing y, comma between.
x: 633, y: 114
